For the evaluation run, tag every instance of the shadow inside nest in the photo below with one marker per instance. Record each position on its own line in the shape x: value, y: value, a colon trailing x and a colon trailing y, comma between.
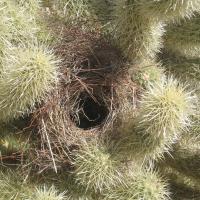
x: 93, y: 90
x: 91, y: 112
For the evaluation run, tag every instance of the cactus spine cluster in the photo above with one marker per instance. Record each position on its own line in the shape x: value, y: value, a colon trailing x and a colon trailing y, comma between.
x: 138, y: 40
x: 95, y: 168
x: 165, y: 111
x: 144, y: 185
x: 146, y: 146
x: 25, y: 79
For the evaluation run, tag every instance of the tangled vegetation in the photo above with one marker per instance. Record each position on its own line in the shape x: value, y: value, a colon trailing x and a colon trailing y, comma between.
x: 99, y: 100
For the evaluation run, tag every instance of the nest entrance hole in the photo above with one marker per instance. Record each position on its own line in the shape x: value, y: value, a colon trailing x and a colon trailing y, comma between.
x: 91, y: 112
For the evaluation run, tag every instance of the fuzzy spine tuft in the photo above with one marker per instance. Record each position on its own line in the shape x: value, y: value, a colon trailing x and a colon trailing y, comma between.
x: 28, y: 73
x: 139, y: 37
x: 95, y: 168
x: 146, y: 185
x: 44, y: 193
x: 166, y: 107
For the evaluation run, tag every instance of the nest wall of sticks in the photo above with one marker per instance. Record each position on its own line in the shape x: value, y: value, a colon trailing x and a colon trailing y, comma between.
x: 93, y: 93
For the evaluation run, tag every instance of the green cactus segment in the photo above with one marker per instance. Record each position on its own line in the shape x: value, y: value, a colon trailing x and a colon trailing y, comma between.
x: 32, y: 6
x: 165, y: 111
x: 141, y: 147
x: 152, y: 120
x: 140, y: 24
x: 16, y: 24
x: 186, y: 69
x: 194, y: 131
x: 168, y: 9
x: 12, y: 186
x: 147, y: 73
x: 44, y: 193
x: 12, y: 143
x: 28, y: 73
x: 146, y: 185
x: 76, y: 11
x: 186, y: 157
x: 76, y: 191
x: 102, y: 9
x: 166, y: 107
x: 184, y: 38
x: 95, y: 168
x: 139, y: 37
x: 71, y: 11
x: 181, y: 179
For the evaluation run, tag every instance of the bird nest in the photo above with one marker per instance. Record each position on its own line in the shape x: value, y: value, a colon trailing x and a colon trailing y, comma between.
x: 93, y: 93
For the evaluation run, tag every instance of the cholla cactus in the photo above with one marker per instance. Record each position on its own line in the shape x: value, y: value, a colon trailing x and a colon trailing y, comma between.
x: 183, y: 68
x: 70, y: 10
x: 139, y: 37
x: 179, y: 178
x: 31, y: 5
x: 166, y: 107
x: 102, y: 9
x: 183, y: 38
x: 149, y: 73
x: 12, y: 186
x: 95, y: 168
x: 44, y: 193
x: 140, y: 24
x: 169, y: 9
x: 28, y: 73
x: 145, y: 185
x: 12, y: 143
x: 76, y: 191
x: 195, y: 128
x: 143, y: 114
x: 17, y: 24
x: 165, y: 110
x: 186, y: 158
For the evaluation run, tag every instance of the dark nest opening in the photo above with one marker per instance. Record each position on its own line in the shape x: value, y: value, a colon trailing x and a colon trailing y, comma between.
x: 94, y: 90
x: 92, y: 112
